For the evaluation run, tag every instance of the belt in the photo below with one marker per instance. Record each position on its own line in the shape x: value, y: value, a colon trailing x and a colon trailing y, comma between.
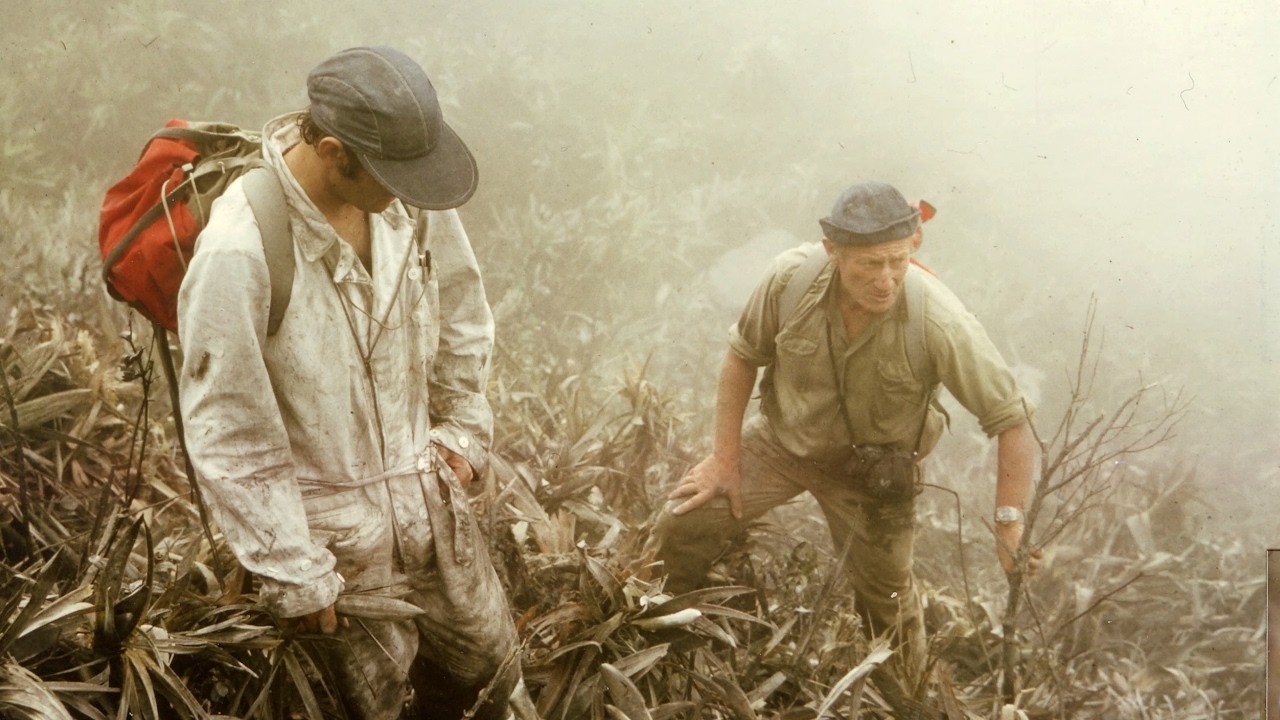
x: 444, y: 497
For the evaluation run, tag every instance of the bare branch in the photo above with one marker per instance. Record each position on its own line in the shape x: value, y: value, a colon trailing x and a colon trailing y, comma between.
x: 1081, y: 464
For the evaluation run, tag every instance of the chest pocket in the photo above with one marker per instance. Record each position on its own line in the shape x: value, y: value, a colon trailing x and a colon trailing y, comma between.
x: 803, y: 360
x: 900, y: 390
x: 795, y: 345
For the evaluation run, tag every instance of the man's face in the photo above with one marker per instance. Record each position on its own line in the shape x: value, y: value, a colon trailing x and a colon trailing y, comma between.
x: 871, y: 276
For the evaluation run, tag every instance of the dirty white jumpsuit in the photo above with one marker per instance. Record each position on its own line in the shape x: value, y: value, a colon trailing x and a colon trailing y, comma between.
x: 314, y: 446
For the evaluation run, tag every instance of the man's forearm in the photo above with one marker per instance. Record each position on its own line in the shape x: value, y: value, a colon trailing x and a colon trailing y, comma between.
x: 459, y: 374
x: 1015, y: 465
x: 737, y: 380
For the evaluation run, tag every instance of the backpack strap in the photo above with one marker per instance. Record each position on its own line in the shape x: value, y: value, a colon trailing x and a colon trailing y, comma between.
x: 801, y: 280
x: 917, y: 352
x: 266, y: 199
x: 913, y: 287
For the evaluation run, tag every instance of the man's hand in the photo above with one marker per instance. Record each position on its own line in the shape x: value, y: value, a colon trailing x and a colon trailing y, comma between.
x: 458, y: 464
x: 710, y: 478
x: 323, y: 622
x: 1008, y: 535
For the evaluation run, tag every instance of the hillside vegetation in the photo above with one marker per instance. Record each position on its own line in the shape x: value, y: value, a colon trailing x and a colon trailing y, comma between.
x: 594, y: 231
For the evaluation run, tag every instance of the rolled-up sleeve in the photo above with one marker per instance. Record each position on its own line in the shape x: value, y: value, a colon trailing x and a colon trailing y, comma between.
x: 234, y: 433
x: 460, y: 414
x: 970, y: 366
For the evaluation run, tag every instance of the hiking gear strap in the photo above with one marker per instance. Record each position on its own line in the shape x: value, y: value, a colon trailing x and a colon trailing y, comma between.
x: 800, y: 282
x: 266, y: 199
x: 161, y: 338
x: 917, y: 355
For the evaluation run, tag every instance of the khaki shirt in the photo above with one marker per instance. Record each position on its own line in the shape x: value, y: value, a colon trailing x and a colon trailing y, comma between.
x: 367, y: 370
x: 886, y: 400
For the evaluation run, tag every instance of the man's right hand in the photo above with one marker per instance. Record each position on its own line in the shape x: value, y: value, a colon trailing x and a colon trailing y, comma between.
x: 323, y: 622
x: 708, y: 479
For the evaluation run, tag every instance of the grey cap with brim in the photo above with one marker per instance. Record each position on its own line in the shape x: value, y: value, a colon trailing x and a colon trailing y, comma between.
x: 870, y: 213
x: 383, y: 108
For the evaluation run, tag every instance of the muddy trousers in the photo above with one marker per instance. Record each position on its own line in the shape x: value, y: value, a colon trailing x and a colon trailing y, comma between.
x: 408, y: 540
x: 878, y: 538
x: 375, y: 663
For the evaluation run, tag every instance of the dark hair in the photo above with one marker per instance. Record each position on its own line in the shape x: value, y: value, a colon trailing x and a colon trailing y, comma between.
x: 312, y: 134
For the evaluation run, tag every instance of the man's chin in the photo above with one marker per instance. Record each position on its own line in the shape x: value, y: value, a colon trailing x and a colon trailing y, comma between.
x: 879, y: 307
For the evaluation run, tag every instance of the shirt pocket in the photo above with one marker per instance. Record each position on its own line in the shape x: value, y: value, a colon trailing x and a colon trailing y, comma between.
x: 801, y: 363
x: 897, y: 403
x: 794, y: 344
x: 900, y: 389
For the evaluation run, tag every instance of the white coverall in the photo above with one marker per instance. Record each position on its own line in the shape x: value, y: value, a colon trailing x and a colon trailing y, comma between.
x: 313, y: 446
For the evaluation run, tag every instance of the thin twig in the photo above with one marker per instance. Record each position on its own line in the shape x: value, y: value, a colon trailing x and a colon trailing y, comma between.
x: 171, y: 376
x: 1094, y: 605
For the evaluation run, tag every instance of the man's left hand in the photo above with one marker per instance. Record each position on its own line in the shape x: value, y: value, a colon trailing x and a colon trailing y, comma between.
x: 1008, y: 536
x: 458, y: 464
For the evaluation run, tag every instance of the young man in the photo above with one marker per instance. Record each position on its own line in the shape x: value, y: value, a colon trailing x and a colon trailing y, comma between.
x: 336, y: 453
x: 845, y: 414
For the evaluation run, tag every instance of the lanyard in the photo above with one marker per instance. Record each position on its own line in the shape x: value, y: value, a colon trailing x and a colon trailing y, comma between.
x: 844, y: 409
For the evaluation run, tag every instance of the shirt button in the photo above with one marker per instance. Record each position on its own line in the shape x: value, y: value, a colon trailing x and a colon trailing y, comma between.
x: 464, y: 442
x: 415, y: 273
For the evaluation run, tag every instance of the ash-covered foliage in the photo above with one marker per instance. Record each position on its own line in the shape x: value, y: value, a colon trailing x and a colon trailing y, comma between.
x: 112, y: 597
x: 596, y: 232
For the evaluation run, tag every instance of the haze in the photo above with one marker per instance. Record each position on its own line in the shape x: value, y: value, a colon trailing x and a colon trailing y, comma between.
x: 1123, y: 150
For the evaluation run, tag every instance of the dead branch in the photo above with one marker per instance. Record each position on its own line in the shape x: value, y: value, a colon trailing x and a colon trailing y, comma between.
x: 1080, y: 465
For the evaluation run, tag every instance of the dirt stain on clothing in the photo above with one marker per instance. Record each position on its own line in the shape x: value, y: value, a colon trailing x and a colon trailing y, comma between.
x: 201, y: 367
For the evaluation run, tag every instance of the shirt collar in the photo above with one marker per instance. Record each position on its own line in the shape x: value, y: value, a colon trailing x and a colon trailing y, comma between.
x: 316, y: 236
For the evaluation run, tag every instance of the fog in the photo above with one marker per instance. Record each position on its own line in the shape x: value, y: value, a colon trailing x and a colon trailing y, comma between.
x: 1120, y: 150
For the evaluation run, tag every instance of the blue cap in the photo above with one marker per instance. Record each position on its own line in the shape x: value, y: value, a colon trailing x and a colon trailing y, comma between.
x: 381, y: 105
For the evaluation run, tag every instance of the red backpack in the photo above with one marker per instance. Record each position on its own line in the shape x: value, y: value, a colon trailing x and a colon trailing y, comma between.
x: 150, y: 218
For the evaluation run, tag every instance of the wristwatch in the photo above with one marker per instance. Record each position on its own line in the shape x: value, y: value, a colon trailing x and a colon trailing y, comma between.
x: 1008, y: 514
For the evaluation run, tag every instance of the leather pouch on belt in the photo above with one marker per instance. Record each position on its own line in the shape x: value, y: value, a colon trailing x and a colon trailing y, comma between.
x: 887, y: 474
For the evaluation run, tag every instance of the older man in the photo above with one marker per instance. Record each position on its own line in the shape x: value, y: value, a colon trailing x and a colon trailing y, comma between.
x: 854, y: 340
x: 335, y: 451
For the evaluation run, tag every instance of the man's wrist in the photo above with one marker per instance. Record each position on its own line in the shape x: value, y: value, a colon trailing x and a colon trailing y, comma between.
x: 462, y: 444
x: 1009, y: 515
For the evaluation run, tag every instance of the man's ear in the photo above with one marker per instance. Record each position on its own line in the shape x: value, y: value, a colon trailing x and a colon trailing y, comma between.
x: 331, y: 151
x: 917, y: 239
x: 830, y: 247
